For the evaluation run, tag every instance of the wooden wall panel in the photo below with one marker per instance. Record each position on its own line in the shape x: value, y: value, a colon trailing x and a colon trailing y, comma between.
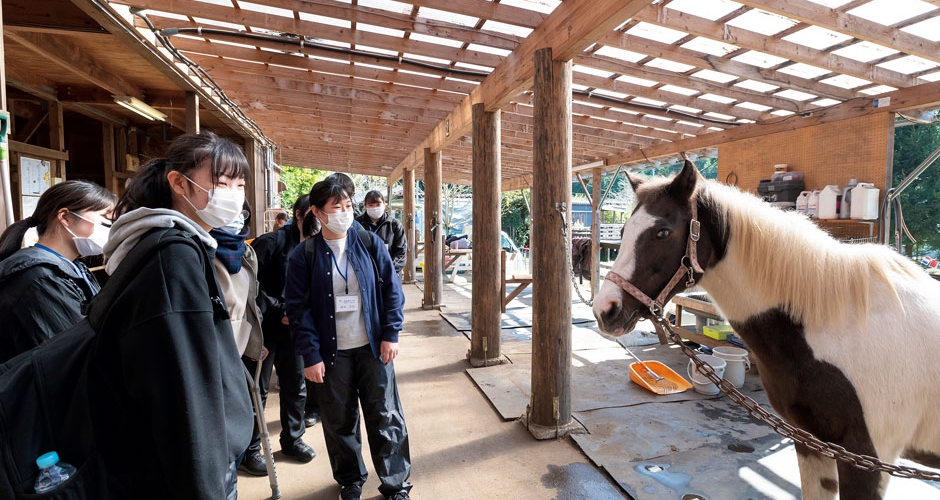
x: 831, y: 153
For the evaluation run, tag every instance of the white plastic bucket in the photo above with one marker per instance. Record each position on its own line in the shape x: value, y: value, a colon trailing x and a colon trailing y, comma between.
x: 700, y: 382
x: 737, y: 363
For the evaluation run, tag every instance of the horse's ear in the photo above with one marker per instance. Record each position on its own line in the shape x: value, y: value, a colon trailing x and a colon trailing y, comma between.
x: 635, y: 182
x: 683, y: 185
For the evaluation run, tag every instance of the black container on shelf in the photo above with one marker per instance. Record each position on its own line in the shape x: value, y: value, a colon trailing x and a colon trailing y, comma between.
x: 780, y: 191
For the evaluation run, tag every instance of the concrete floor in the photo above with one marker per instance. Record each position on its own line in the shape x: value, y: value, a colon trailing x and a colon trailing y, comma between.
x: 465, y: 444
x: 460, y: 447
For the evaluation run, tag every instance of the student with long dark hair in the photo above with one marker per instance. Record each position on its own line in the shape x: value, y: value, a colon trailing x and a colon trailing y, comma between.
x: 171, y: 407
x: 345, y: 306
x: 42, y: 287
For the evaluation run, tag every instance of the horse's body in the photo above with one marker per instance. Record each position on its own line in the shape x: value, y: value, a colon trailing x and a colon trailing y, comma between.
x: 581, y: 264
x: 845, y: 335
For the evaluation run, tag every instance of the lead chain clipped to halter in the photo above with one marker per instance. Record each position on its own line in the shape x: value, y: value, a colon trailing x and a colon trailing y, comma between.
x: 688, y: 267
x: 562, y: 209
x: 783, y: 428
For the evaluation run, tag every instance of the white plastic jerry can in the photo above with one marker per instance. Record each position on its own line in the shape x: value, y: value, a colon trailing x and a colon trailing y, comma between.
x: 801, y: 201
x: 828, y: 202
x: 812, y: 204
x: 865, y: 201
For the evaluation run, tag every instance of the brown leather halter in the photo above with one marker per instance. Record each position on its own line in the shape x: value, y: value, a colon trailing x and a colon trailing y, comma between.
x: 687, y: 267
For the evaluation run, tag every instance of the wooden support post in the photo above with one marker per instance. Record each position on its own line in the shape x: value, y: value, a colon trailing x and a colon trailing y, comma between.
x: 57, y: 137
x: 486, y: 299
x: 597, y: 195
x: 108, y: 157
x: 254, y: 190
x: 408, y: 201
x: 549, y: 414
x: 433, y: 231
x: 192, y: 113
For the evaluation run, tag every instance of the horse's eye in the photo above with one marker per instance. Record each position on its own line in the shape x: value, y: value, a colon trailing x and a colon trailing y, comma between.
x: 663, y: 233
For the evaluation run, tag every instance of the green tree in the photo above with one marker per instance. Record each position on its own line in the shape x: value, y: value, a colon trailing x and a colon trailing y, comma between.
x: 515, y: 216
x: 921, y: 200
x: 298, y: 180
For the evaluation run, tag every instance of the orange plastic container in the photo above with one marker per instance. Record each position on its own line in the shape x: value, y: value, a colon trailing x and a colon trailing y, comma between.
x: 640, y: 377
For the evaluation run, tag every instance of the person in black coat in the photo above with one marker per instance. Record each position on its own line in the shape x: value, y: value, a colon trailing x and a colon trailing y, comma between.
x: 43, y: 287
x: 386, y: 227
x: 272, y: 250
x: 170, y: 401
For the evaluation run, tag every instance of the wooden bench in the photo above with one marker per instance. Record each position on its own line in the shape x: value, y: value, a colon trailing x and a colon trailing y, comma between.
x: 520, y: 280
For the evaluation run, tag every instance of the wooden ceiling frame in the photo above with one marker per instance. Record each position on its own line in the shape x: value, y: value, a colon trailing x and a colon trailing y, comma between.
x: 366, y: 100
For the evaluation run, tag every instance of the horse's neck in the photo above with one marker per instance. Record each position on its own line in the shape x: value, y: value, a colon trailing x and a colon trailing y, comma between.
x: 733, y: 286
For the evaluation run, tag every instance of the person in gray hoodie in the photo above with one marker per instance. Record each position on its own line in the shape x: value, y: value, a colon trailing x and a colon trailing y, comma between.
x: 171, y: 408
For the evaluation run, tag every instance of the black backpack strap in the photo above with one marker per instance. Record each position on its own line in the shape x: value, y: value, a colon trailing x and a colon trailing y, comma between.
x: 366, y: 238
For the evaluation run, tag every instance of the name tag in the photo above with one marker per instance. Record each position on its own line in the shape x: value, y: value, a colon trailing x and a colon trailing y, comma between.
x: 347, y: 303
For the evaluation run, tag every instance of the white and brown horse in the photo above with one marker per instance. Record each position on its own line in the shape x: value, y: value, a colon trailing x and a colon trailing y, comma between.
x: 846, y: 336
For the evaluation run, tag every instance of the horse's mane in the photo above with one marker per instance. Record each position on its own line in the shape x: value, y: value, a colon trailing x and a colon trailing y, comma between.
x: 797, y: 264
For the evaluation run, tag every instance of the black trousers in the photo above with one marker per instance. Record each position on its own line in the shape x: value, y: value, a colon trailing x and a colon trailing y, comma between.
x: 290, y: 375
x: 359, y: 378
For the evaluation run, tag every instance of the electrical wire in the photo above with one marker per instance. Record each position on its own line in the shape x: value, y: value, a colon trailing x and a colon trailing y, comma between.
x: 205, y: 77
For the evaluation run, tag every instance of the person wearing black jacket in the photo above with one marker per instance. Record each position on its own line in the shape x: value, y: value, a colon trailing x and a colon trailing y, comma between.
x: 171, y: 408
x: 272, y: 250
x: 386, y: 227
x: 43, y: 287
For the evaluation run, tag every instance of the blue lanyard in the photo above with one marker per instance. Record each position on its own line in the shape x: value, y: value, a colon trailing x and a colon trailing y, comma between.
x: 341, y: 274
x: 78, y: 269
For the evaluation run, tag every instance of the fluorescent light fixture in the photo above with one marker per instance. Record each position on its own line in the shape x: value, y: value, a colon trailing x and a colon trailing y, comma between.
x: 140, y: 107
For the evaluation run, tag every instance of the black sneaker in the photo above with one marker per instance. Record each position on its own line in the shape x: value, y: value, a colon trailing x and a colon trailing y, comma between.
x: 300, y: 452
x: 253, y: 464
x: 351, y: 492
x: 401, y: 495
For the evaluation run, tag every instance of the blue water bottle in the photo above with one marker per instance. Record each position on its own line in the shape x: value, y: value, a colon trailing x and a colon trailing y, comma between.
x: 52, y: 472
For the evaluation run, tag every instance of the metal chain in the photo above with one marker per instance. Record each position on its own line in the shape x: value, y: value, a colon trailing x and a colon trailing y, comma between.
x: 798, y: 435
x: 574, y: 278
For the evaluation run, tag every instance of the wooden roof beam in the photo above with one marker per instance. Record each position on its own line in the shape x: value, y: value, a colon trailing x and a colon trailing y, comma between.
x: 299, y: 26
x: 698, y: 26
x: 925, y: 95
x: 724, y: 65
x: 74, y: 59
x: 571, y: 28
x: 690, y: 82
x: 851, y: 25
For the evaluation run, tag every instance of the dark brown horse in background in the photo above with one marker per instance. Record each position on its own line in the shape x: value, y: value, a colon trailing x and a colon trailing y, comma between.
x: 581, y: 263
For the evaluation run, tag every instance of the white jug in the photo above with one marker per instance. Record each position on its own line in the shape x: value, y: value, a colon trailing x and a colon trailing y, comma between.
x: 865, y: 201
x: 812, y: 203
x: 801, y: 201
x: 828, y: 207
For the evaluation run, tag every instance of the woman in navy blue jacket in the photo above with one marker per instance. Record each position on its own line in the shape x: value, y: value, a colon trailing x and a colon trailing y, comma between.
x: 345, y: 305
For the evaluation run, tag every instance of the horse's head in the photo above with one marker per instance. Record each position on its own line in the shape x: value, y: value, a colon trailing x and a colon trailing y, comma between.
x: 653, y: 247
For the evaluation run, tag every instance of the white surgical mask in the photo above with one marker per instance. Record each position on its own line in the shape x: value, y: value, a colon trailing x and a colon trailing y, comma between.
x: 237, y: 225
x: 93, y: 244
x: 339, y: 222
x: 375, y: 212
x: 224, y: 205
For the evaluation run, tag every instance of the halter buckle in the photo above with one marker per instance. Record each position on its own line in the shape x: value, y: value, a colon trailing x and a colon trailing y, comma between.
x: 694, y: 229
